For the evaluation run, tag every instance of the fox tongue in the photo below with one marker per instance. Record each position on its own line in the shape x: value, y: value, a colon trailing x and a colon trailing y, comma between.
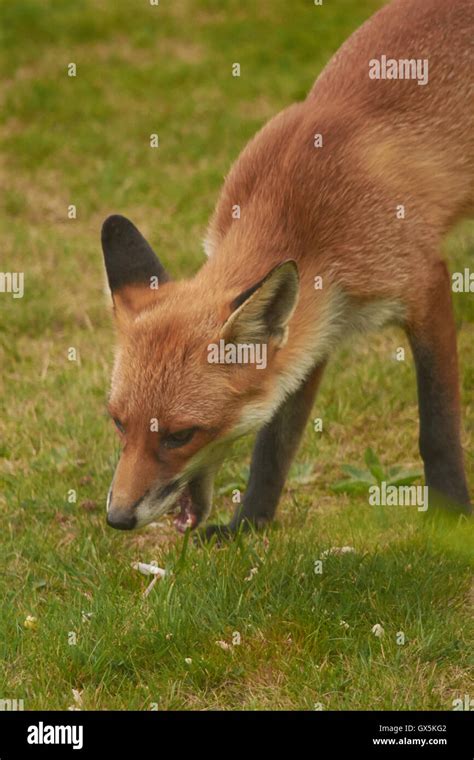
x: 186, y: 517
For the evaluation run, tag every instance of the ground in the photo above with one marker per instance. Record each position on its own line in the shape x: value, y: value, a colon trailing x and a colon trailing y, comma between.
x: 306, y: 639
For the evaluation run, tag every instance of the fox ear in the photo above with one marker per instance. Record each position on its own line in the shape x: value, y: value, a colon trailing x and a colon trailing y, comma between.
x: 133, y: 270
x: 262, y: 312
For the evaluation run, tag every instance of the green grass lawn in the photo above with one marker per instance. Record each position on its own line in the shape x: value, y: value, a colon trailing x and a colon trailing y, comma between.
x: 306, y: 638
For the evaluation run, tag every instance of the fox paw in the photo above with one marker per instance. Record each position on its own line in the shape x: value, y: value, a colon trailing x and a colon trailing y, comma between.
x: 222, y: 534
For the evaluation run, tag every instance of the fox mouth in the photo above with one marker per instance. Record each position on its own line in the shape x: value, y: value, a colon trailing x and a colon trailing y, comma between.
x: 188, y: 516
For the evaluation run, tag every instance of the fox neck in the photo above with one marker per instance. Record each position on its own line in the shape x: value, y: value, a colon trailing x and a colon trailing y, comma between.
x: 326, y: 312
x: 313, y: 329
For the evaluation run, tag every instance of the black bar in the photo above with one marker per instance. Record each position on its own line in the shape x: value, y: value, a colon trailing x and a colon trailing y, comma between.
x: 374, y: 734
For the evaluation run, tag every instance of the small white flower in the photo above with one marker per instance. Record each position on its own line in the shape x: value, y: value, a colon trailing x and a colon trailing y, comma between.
x: 188, y: 660
x: 378, y: 631
x: 77, y: 696
x: 253, y: 572
x: 77, y: 707
x: 344, y: 625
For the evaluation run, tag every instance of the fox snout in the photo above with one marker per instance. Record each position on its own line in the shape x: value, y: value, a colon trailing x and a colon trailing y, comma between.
x: 121, y: 520
x: 190, y: 500
x: 134, y: 484
x: 121, y: 517
x: 126, y: 513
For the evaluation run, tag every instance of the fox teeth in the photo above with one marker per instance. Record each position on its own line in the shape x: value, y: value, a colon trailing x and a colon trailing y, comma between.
x: 184, y: 521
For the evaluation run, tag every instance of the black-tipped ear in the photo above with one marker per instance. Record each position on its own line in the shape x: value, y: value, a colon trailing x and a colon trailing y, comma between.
x: 262, y: 312
x: 129, y: 259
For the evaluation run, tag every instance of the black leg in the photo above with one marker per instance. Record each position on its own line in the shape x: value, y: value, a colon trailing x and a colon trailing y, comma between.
x: 275, y: 447
x: 433, y: 340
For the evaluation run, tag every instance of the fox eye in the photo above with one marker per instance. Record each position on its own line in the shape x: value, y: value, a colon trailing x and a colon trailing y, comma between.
x: 180, y: 438
x: 118, y: 425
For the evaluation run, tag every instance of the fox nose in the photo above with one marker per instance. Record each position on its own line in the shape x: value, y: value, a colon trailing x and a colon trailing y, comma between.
x: 121, y: 520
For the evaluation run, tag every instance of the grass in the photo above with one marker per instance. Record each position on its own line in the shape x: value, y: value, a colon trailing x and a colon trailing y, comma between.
x: 85, y: 141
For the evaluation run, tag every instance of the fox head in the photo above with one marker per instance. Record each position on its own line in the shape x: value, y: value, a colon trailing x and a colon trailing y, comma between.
x: 176, y: 412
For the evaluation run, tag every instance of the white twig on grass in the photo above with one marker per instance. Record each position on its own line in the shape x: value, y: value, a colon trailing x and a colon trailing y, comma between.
x: 149, y: 569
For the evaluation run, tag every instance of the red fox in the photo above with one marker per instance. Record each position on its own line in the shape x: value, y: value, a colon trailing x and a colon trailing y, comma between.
x: 329, y: 222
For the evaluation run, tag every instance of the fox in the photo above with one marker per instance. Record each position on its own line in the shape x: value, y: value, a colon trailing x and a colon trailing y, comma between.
x: 330, y: 223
